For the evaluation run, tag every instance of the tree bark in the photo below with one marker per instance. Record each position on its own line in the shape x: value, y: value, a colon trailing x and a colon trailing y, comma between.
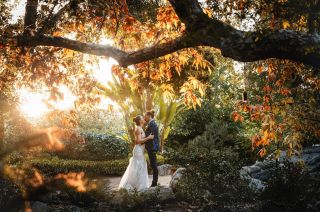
x: 30, y: 17
x: 2, y: 129
x: 200, y: 31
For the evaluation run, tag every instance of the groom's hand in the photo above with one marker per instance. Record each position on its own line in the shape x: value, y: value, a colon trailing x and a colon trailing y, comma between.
x: 150, y: 137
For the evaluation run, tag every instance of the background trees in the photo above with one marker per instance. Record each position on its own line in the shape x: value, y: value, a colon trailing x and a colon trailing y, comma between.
x: 46, y: 46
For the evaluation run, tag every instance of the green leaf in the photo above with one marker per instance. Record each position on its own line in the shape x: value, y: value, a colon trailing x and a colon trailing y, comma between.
x: 166, y: 132
x: 171, y: 112
x: 163, y: 109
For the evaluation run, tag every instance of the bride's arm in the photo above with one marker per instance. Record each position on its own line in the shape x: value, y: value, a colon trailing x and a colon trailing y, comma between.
x: 140, y: 140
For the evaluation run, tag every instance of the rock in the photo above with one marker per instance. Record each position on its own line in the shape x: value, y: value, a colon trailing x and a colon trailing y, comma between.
x: 265, y: 164
x: 49, y: 197
x: 207, y: 194
x: 39, y: 207
x: 253, y: 169
x: 118, y: 197
x: 164, y: 169
x: 160, y: 192
x: 261, y: 171
x: 314, y: 160
x: 124, y: 199
x: 263, y: 175
x: 176, y: 177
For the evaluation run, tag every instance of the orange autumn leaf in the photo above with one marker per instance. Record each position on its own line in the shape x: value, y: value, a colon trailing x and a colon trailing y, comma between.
x: 255, y: 140
x: 288, y: 101
x: 237, y: 117
x: 285, y: 24
x: 267, y: 108
x: 246, y: 108
x: 267, y: 89
x: 285, y: 91
x: 255, y: 116
x: 267, y: 98
x: 259, y: 69
x: 262, y: 152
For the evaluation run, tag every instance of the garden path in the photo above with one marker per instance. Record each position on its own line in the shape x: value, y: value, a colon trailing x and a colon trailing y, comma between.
x: 114, y: 181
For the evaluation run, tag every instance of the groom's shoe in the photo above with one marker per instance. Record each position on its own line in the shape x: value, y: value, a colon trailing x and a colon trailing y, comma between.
x: 153, y: 185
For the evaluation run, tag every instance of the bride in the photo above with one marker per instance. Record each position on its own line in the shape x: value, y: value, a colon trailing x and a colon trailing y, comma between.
x: 136, y: 174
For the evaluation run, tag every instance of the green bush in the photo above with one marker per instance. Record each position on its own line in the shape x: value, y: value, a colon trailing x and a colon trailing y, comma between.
x: 211, y: 176
x: 92, y: 146
x: 225, y: 134
x: 212, y: 162
x: 189, y: 124
x: 291, y: 188
x: 217, y: 135
x: 54, y: 165
x: 210, y: 128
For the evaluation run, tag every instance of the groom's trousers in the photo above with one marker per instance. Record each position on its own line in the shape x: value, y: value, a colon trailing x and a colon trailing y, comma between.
x: 153, y: 162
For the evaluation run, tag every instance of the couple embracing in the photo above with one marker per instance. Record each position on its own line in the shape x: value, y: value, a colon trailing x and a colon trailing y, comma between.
x: 136, y: 174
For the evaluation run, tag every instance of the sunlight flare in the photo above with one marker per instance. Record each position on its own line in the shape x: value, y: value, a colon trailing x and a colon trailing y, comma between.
x: 32, y: 104
x: 35, y: 104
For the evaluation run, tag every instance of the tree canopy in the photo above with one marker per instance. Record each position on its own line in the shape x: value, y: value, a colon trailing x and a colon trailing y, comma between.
x: 205, y: 23
x: 173, y: 45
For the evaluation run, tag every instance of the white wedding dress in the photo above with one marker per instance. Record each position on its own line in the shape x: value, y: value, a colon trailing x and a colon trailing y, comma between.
x: 136, y: 174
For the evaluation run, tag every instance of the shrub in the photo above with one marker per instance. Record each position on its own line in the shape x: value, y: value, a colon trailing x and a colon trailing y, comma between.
x: 207, y: 129
x: 91, y: 146
x: 54, y: 165
x: 291, y: 188
x: 212, y: 162
x: 189, y: 124
x: 211, y: 176
x: 15, y: 158
x: 217, y: 135
x: 10, y: 196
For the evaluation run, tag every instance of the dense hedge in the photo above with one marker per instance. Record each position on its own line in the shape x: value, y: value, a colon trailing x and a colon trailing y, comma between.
x: 92, y: 146
x: 55, y: 165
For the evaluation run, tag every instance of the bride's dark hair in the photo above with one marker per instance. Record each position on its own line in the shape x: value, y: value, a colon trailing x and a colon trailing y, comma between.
x: 137, y: 119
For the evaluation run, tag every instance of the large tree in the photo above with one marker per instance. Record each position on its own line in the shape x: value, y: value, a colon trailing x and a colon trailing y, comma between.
x: 167, y: 42
x: 202, y: 27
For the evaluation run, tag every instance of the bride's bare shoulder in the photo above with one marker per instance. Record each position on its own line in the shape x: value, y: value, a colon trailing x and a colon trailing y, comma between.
x: 138, y: 130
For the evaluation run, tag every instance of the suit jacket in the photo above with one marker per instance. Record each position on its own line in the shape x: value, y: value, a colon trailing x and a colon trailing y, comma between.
x: 152, y: 128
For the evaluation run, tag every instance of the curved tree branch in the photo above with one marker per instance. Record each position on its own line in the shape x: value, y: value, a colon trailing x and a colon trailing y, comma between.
x: 202, y: 30
x: 123, y: 58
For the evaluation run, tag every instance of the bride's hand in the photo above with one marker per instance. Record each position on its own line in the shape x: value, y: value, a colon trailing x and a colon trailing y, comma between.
x: 150, y: 137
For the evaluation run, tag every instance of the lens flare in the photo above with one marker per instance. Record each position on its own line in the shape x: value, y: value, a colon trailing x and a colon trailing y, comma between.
x: 77, y: 181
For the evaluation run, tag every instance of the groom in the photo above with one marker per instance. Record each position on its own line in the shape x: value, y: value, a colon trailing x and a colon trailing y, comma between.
x: 152, y: 146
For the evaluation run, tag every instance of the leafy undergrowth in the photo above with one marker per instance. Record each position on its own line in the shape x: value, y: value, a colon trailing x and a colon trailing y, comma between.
x: 291, y: 188
x: 55, y: 165
x: 94, y: 147
x: 212, y: 177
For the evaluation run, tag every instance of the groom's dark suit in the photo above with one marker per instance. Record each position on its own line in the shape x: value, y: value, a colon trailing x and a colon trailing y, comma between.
x: 152, y: 147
